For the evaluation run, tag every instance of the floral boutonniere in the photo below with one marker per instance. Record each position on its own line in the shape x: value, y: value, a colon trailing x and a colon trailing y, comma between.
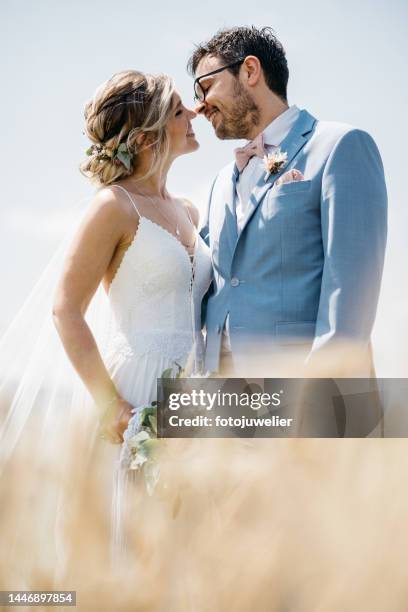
x: 274, y: 162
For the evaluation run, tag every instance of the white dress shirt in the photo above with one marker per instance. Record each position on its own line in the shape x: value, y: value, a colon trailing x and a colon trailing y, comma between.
x: 273, y: 135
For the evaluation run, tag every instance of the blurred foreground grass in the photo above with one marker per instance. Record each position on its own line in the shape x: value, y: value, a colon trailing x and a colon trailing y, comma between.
x: 266, y: 525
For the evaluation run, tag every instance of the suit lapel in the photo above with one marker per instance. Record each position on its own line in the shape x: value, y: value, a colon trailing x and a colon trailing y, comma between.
x: 292, y: 144
x: 230, y: 213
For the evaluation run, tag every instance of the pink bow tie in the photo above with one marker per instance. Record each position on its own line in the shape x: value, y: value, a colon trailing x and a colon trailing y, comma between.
x: 244, y: 154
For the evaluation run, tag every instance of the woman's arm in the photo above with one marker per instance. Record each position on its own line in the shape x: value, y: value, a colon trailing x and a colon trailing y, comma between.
x: 85, y: 266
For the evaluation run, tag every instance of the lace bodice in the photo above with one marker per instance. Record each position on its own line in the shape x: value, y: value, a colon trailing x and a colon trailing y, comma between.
x: 156, y: 295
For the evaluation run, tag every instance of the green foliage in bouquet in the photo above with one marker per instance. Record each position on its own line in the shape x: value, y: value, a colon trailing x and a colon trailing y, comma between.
x: 144, y: 444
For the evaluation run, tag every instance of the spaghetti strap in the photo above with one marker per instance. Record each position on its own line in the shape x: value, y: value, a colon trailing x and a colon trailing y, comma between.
x: 189, y: 216
x: 129, y: 196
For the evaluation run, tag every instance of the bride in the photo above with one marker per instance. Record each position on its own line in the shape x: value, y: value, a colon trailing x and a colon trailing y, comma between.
x: 138, y: 241
x: 125, y: 298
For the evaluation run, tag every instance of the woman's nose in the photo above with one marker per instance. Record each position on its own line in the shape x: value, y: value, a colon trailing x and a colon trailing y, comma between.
x: 192, y: 114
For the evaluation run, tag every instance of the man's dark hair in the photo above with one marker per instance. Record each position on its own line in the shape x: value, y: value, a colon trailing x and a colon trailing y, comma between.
x: 235, y: 43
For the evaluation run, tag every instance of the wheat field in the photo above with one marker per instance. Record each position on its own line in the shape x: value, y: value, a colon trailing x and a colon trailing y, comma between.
x: 289, y: 525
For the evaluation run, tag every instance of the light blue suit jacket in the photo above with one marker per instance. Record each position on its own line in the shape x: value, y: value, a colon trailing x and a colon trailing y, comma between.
x: 307, y: 264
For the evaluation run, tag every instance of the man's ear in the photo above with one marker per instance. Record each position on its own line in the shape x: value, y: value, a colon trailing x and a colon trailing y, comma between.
x: 251, y: 70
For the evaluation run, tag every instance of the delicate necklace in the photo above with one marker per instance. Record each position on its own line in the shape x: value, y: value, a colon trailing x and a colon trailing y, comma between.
x: 170, y: 221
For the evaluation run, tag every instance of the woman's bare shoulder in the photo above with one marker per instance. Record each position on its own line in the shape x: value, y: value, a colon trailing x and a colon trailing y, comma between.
x: 110, y: 205
x: 110, y: 198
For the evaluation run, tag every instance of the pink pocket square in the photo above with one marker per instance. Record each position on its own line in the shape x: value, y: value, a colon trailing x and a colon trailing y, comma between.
x: 289, y: 177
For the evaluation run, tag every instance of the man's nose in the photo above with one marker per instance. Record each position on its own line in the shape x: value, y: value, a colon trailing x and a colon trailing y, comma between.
x: 199, y: 107
x: 192, y: 114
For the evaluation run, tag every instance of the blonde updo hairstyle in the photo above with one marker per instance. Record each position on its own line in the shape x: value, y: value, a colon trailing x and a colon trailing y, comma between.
x: 127, y: 105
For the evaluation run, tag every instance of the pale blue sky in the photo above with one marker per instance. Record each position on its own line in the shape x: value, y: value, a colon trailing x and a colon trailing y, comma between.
x: 347, y: 63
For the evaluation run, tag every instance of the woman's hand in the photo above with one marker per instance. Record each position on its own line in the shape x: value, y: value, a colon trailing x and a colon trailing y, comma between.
x: 115, y: 420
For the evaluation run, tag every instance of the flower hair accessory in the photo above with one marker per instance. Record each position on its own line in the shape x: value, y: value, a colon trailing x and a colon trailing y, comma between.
x: 274, y: 162
x: 118, y: 156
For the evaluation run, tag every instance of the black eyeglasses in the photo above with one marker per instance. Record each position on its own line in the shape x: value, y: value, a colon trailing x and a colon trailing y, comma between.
x: 199, y: 93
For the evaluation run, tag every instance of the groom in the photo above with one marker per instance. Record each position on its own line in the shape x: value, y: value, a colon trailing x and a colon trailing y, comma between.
x: 296, y: 224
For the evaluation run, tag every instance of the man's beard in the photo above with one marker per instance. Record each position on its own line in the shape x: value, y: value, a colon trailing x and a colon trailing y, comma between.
x: 239, y: 121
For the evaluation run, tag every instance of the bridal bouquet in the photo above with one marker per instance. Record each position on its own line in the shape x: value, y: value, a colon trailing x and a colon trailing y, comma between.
x: 140, y: 440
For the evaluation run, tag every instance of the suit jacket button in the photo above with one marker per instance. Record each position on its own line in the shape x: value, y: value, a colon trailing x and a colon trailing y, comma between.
x: 234, y: 281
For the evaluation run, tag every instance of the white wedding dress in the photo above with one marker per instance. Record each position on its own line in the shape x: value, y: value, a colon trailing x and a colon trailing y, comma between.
x: 155, y: 298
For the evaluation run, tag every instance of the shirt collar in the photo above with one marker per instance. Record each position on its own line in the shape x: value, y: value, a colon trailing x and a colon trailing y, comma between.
x: 280, y: 127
